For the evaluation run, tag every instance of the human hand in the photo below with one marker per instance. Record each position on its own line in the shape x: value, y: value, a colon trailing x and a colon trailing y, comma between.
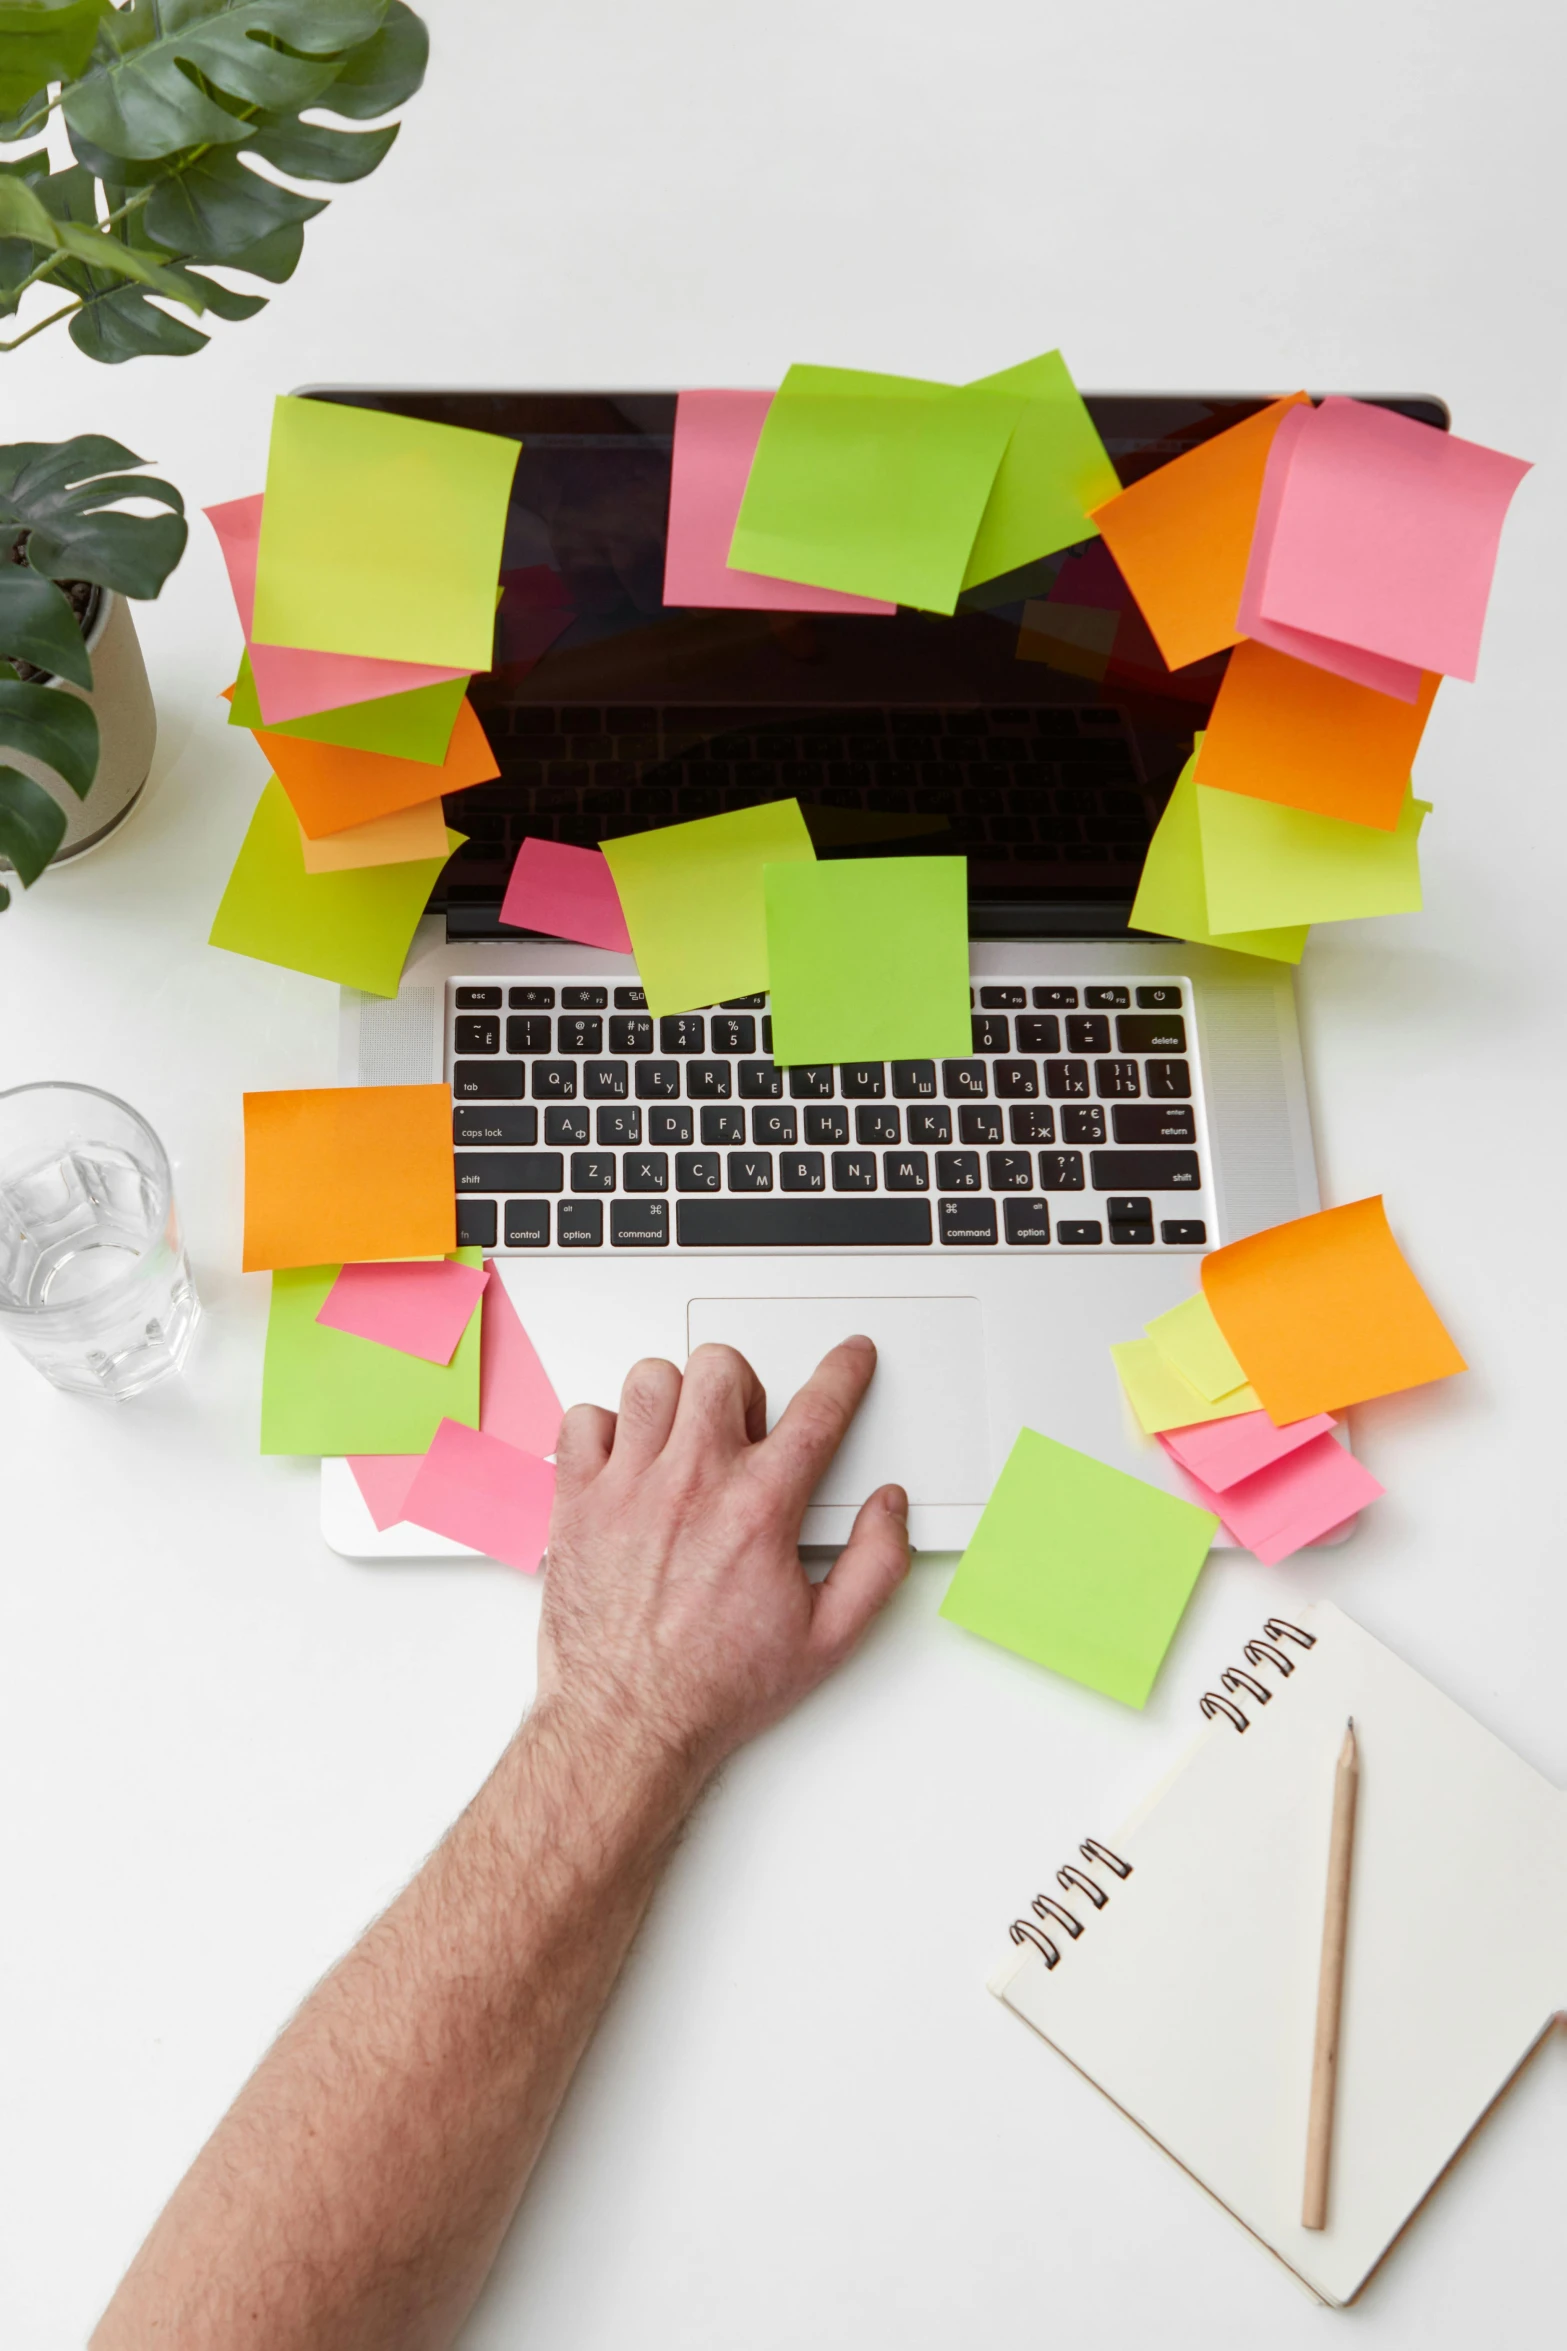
x: 676, y: 1609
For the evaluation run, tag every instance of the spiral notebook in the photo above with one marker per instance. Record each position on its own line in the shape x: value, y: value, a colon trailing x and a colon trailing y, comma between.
x: 1176, y: 1964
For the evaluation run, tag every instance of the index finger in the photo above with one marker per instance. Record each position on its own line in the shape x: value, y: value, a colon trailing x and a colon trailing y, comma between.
x: 815, y: 1423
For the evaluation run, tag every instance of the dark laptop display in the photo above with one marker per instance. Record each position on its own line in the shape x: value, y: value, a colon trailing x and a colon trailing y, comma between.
x: 1036, y: 730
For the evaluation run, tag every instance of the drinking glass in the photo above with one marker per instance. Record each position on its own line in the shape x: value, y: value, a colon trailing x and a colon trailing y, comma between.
x: 94, y: 1286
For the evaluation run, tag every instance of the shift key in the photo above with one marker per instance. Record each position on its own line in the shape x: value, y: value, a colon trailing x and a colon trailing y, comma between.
x: 1145, y: 1171
x: 509, y: 1171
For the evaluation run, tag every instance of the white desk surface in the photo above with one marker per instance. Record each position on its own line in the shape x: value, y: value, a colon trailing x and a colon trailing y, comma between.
x: 224, y: 1748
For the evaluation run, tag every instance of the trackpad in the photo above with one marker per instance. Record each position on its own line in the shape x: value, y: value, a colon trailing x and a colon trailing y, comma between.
x: 924, y: 1422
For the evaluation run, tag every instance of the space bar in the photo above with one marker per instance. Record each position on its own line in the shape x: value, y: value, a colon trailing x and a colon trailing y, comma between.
x: 802, y: 1224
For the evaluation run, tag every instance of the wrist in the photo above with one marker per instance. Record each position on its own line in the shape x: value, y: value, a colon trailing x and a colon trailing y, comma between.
x: 621, y: 1762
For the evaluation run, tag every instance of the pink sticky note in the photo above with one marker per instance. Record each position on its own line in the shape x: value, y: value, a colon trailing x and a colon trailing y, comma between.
x: 1386, y: 536
x: 715, y: 440
x: 384, y: 1480
x: 480, y: 1491
x: 1221, y: 1452
x: 418, y: 1309
x: 289, y: 683
x: 566, y: 893
x: 1293, y: 1501
x: 516, y: 1401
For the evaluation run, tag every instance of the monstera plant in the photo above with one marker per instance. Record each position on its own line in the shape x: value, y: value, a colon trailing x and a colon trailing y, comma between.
x: 162, y: 101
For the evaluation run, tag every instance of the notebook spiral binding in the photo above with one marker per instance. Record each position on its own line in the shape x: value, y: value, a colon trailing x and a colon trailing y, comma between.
x: 1266, y: 1650
x: 1071, y: 1880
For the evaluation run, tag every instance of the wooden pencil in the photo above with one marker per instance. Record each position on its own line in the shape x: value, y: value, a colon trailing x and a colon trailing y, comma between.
x: 1330, y: 1986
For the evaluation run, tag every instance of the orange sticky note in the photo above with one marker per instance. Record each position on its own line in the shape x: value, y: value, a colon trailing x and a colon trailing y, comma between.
x: 405, y: 837
x: 1325, y: 1312
x: 1287, y: 731
x: 332, y: 788
x: 348, y: 1174
x: 1182, y: 536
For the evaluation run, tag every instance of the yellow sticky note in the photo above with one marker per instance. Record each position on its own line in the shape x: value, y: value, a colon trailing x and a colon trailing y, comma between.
x: 1162, y: 1399
x: 1078, y: 638
x: 1171, y: 896
x: 693, y: 902
x: 1192, y: 1342
x: 1265, y: 865
x: 399, y: 839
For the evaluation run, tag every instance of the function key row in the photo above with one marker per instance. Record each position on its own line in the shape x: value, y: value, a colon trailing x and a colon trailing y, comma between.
x: 578, y: 999
x: 1016, y: 999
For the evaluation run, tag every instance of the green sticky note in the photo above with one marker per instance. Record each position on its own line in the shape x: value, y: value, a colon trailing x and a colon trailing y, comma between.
x: 1080, y: 1567
x: 1171, y: 897
x: 416, y: 725
x: 1055, y: 469
x: 692, y: 898
x: 872, y: 484
x: 868, y: 959
x: 354, y: 926
x: 1265, y: 865
x: 325, y: 1391
x: 1190, y: 1338
x: 381, y: 535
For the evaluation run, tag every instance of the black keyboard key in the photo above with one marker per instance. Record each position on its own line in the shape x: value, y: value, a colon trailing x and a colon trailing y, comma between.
x: 931, y: 1126
x: 1085, y: 1124
x: 606, y: 1081
x: 802, y: 1171
x: 913, y: 1081
x: 1003, y: 999
x: 781, y: 1223
x: 526, y: 1224
x: 554, y: 1081
x: 478, y: 999
x: 723, y: 1126
x: 639, y: 1224
x: 811, y: 1082
x: 1151, y: 1171
x: 531, y: 999
x: 827, y: 1126
x: 750, y: 1171
x: 528, y: 1033
x: 563, y: 1126
x: 1132, y: 1236
x: 593, y: 1171
x: 674, y: 1125
x: 579, y: 1032
x: 957, y: 1171
x: 773, y: 1124
x: 1143, y: 1032
x: 1055, y: 999
x: 1017, y: 1081
x: 1159, y: 999
x: 630, y: 1000
x: 967, y: 1224
x: 617, y: 1128
x: 682, y: 1032
x: 1135, y: 1208
x: 877, y: 1126
x: 1032, y: 1122
x: 698, y: 1171
x: 633, y: 1035
x: 905, y: 1171
x: 979, y: 1122
x: 964, y: 1081
x: 743, y: 1003
x: 1009, y: 1171
x: 1065, y: 1079
x: 767, y: 1032
x: 1040, y: 1033
x: 863, y: 1081
x: 734, y: 1032
x: 1150, y: 1122
x: 1169, y: 1081
x: 854, y: 1171
x: 992, y: 1032
x: 1060, y: 1171
x: 1181, y: 1232
x: 1027, y: 1222
x: 487, y: 1081
x: 477, y: 1032
x: 709, y: 1081
x: 476, y: 1224
x: 1107, y: 999
x: 584, y: 999
x: 1116, y: 1078
x: 489, y: 1127
x: 508, y: 1171
x: 579, y: 1224
x: 1087, y: 1032
x: 1080, y: 1236
x: 645, y: 1171
x: 658, y: 1081
x: 760, y: 1081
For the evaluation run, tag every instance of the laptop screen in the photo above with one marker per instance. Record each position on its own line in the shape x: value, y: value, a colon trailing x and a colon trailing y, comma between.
x: 1036, y: 730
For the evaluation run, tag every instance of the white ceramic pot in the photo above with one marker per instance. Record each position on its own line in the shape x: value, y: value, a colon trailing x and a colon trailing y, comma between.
x: 127, y: 731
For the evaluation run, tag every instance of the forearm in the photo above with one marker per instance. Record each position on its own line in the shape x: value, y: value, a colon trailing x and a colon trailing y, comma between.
x: 357, y: 2190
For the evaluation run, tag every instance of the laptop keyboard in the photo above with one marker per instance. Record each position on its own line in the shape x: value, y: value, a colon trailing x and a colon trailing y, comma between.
x: 581, y: 1122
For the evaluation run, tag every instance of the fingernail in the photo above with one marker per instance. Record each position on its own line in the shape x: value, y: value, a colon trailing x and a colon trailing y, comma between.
x: 895, y: 1502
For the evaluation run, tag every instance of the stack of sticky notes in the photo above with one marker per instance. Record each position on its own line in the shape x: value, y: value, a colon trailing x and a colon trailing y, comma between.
x: 1346, y: 554
x: 384, y: 1343
x: 365, y: 578
x: 1240, y: 1382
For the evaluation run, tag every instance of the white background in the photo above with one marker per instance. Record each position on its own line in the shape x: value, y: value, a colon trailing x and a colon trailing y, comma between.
x: 224, y: 1748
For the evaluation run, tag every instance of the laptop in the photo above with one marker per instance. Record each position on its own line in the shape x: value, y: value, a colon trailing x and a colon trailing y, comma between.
x: 642, y: 1186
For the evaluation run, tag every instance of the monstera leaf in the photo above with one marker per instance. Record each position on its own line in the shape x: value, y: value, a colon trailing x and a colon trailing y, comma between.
x: 65, y: 495
x: 41, y: 41
x: 32, y: 826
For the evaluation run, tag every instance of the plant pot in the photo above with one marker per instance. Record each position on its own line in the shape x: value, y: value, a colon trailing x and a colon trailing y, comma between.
x: 127, y: 731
